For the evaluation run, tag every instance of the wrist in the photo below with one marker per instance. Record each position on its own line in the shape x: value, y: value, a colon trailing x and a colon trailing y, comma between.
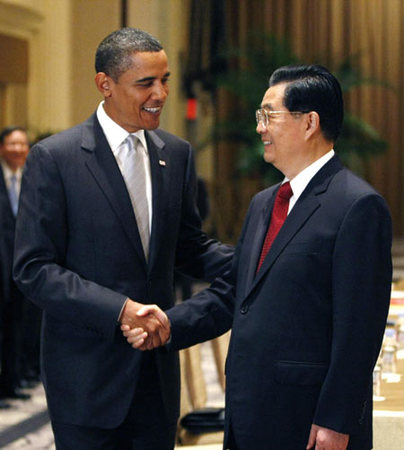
x: 122, y: 310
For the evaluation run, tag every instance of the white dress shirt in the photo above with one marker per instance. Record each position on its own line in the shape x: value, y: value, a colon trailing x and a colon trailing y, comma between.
x: 8, y: 173
x: 302, y: 179
x: 116, y: 136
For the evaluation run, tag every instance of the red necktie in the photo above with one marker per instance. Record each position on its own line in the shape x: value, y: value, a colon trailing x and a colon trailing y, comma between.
x: 279, y: 213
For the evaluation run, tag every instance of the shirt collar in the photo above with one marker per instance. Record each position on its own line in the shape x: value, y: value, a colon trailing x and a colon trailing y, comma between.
x: 302, y: 179
x: 114, y: 133
x: 8, y: 173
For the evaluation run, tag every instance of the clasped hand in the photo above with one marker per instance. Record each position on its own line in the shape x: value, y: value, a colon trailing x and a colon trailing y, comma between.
x: 326, y: 439
x: 144, y: 326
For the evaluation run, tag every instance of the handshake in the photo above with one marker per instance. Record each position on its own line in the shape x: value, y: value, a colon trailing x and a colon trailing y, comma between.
x: 144, y: 326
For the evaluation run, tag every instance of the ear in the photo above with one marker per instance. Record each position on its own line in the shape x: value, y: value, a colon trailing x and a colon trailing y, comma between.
x: 103, y: 83
x: 312, y: 123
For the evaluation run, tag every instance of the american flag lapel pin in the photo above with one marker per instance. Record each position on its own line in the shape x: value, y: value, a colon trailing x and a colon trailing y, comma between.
x: 162, y: 163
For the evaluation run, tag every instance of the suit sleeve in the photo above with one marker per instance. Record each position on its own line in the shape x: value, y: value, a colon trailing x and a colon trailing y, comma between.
x: 205, y: 316
x: 196, y: 255
x: 209, y: 313
x: 361, y: 273
x: 40, y: 266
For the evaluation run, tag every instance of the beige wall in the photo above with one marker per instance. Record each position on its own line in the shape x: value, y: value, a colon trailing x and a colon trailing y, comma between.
x: 43, y: 102
x: 18, y: 23
x: 49, y: 101
x: 13, y: 79
x: 62, y: 37
x: 91, y: 22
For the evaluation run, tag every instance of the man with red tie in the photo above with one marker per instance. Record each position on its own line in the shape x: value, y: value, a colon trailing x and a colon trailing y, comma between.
x: 308, y: 294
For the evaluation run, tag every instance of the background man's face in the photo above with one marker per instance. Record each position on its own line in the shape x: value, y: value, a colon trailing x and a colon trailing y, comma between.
x: 14, y: 149
x: 136, y: 100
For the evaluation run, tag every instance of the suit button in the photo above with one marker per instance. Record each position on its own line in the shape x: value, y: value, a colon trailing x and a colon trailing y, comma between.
x: 244, y: 309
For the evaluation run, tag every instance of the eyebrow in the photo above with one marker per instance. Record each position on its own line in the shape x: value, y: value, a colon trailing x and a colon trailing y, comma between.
x: 267, y: 106
x: 142, y: 80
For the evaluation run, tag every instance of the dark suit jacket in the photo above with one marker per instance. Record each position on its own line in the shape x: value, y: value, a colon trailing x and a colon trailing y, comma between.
x: 79, y: 256
x: 12, y: 301
x: 8, y: 234
x: 308, y: 328
x: 8, y: 223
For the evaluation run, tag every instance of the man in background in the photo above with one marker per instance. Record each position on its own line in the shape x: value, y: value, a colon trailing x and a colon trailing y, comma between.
x: 107, y: 211
x: 309, y: 291
x: 14, y: 147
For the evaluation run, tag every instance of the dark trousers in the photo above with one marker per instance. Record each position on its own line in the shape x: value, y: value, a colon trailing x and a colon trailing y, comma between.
x: 11, y: 345
x: 30, y: 359
x: 146, y: 426
x: 231, y: 442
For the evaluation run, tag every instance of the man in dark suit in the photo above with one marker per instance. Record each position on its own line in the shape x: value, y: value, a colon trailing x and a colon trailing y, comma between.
x: 14, y: 147
x: 88, y: 250
x: 308, y: 310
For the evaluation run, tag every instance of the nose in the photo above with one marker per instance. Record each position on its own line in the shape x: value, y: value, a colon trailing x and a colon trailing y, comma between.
x: 18, y: 147
x: 260, y: 128
x: 160, y: 91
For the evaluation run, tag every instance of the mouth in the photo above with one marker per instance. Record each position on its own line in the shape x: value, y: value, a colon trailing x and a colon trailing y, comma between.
x: 154, y: 110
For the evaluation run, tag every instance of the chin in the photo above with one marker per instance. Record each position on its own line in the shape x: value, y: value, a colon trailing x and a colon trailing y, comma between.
x: 152, y: 125
x: 268, y: 158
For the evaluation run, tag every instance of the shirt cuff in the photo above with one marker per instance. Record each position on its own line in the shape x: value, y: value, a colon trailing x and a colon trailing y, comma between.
x: 120, y: 313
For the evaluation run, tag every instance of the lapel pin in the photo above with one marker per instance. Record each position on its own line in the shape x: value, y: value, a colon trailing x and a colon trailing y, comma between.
x: 161, y: 162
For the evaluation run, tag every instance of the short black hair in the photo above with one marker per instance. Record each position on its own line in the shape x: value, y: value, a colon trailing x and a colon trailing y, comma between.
x: 113, y: 55
x: 313, y: 88
x: 8, y: 130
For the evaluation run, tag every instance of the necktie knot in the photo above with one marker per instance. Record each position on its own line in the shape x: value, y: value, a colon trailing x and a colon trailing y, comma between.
x: 285, y: 191
x: 131, y: 143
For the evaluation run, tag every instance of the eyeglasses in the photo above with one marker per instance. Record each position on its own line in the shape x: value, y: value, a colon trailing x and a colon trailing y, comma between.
x: 264, y: 115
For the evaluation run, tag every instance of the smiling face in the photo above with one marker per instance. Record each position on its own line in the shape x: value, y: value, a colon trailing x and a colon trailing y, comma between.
x: 14, y: 149
x: 284, y: 137
x: 136, y: 99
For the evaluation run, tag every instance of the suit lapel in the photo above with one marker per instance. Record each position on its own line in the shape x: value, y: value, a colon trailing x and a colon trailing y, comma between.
x: 4, y: 195
x: 308, y: 203
x: 105, y: 170
x: 160, y: 169
x: 296, y: 219
x: 259, y: 236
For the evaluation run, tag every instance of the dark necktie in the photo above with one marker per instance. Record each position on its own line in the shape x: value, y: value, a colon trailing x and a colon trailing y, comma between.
x: 279, y: 213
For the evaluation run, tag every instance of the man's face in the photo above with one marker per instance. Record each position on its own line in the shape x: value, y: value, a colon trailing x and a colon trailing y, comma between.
x: 136, y: 100
x: 283, y: 138
x: 14, y: 149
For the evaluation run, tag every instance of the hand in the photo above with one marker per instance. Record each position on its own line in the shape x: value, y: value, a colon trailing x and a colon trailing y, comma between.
x: 325, y: 439
x: 136, y: 337
x: 144, y: 326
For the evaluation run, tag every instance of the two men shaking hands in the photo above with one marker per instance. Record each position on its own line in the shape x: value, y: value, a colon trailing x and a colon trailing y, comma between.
x: 144, y: 326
